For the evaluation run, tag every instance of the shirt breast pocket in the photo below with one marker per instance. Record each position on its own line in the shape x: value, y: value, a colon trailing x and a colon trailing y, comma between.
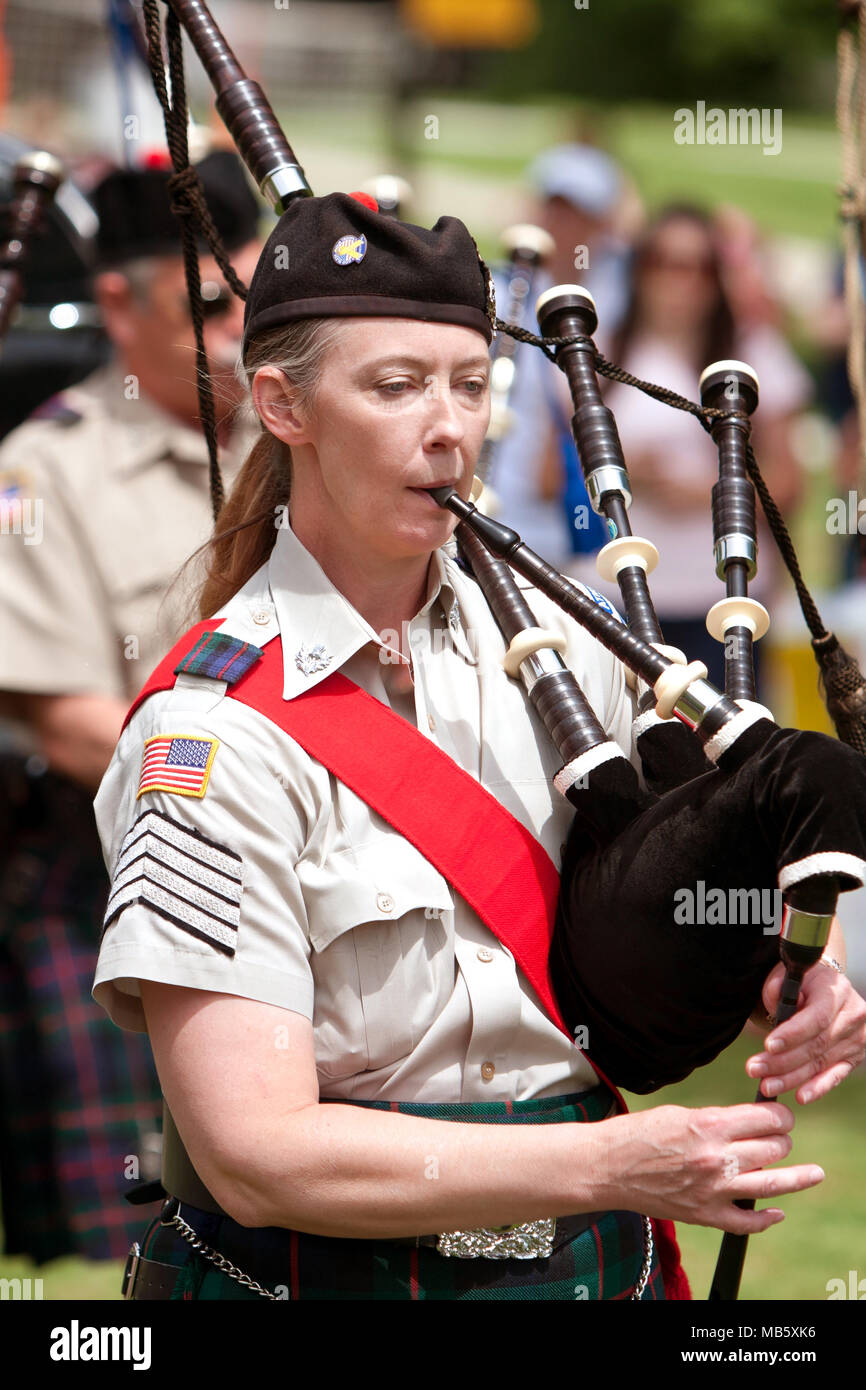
x: 380, y: 920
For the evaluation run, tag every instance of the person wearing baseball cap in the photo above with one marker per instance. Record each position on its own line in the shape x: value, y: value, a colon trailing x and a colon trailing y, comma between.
x: 580, y: 195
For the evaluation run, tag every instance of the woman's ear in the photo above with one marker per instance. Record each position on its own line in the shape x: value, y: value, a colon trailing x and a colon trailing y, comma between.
x: 275, y: 404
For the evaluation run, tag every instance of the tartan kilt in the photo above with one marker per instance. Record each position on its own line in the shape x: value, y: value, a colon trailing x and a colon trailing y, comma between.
x: 595, y: 1256
x: 79, y: 1098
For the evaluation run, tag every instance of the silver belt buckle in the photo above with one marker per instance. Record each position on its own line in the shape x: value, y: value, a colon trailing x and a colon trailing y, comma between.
x: 532, y: 1240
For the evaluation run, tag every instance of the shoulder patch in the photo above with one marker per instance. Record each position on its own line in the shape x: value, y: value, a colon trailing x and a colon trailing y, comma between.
x: 220, y: 657
x: 58, y: 410
x: 178, y: 763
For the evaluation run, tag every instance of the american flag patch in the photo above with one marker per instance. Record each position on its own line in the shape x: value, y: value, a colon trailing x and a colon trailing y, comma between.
x: 176, y: 763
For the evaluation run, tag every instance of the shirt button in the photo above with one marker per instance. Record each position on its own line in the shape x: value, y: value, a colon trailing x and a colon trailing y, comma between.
x: 261, y: 615
x: 384, y: 903
x: 488, y: 1071
x: 485, y: 954
x: 431, y: 722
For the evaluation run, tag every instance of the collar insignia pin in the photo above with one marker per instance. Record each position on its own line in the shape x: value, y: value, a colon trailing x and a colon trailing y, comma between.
x: 309, y: 662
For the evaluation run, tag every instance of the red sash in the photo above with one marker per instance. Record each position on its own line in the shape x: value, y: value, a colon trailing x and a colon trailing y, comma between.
x: 488, y: 856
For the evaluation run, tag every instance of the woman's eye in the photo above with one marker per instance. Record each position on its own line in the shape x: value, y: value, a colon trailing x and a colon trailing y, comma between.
x: 394, y: 388
x: 476, y: 386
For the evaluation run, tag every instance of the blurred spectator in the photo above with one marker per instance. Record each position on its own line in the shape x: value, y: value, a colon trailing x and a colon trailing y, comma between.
x: 678, y: 321
x: 104, y: 494
x: 741, y: 252
x: 581, y: 192
x: 830, y: 331
x: 584, y: 201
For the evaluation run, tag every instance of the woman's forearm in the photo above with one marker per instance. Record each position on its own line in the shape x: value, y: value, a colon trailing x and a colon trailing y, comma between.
x: 339, y: 1170
x: 272, y: 1154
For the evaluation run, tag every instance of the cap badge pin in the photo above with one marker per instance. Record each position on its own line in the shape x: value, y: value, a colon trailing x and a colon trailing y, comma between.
x: 350, y: 249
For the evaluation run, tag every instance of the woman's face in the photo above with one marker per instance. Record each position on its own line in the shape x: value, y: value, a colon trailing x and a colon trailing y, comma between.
x: 677, y: 285
x: 401, y: 406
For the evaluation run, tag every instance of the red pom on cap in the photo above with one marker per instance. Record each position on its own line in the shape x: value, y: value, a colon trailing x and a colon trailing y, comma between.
x: 366, y: 200
x: 156, y: 159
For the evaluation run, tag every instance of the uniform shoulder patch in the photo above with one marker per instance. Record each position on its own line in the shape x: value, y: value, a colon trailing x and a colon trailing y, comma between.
x: 58, y: 409
x: 178, y: 873
x: 220, y: 657
x: 178, y: 763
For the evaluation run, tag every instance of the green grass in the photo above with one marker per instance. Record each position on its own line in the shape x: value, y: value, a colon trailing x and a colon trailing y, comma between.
x: 68, y: 1278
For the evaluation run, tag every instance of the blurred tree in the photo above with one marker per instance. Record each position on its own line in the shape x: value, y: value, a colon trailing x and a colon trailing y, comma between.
x: 757, y: 52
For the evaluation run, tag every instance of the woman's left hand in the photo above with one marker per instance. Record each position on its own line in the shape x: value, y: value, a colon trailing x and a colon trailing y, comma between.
x: 823, y: 1042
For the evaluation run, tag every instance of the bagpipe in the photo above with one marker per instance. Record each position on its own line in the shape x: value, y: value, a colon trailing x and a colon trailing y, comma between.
x: 35, y: 179
x: 727, y: 805
x: 732, y: 811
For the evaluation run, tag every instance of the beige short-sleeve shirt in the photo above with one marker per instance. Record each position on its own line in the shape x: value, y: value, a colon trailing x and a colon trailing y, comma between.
x: 101, y: 503
x: 280, y: 884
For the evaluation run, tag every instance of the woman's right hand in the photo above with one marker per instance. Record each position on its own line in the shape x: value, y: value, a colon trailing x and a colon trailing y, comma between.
x: 692, y: 1165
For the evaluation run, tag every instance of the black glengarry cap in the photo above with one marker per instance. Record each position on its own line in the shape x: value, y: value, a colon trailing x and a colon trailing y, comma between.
x: 338, y: 256
x: 135, y: 216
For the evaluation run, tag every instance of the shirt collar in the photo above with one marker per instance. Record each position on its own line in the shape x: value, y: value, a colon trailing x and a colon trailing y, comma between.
x: 320, y: 628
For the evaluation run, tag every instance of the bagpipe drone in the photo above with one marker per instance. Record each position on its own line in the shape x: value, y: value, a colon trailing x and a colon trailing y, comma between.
x: 727, y: 799
x: 36, y: 177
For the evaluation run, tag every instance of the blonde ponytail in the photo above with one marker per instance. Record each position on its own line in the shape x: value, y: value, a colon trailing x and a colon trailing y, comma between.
x: 246, y: 527
x: 245, y: 530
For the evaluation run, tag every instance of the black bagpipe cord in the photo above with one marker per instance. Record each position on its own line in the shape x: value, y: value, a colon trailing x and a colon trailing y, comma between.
x: 189, y: 205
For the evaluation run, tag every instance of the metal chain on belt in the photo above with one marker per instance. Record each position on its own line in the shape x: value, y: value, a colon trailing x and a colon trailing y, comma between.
x: 648, y: 1259
x: 217, y: 1259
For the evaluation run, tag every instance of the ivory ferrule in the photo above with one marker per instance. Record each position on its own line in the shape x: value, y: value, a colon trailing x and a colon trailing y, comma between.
x: 529, y: 642
x: 626, y: 552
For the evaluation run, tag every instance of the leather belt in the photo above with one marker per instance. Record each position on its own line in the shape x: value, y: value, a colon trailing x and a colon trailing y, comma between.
x: 144, y: 1278
x: 148, y: 1279
x: 178, y: 1175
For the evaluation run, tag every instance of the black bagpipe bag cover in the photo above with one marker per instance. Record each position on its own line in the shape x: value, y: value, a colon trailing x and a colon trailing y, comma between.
x: 660, y: 989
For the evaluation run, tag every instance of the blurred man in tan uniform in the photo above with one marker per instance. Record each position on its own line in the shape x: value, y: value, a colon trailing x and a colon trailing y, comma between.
x: 104, y: 493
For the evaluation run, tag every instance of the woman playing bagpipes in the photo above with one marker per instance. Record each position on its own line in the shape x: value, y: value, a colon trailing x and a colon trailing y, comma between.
x: 334, y: 843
